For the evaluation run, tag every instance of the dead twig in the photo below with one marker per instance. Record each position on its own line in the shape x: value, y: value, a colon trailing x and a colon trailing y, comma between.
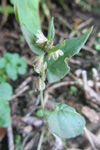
x: 84, y: 78
x: 89, y: 49
x: 10, y: 138
x: 21, y: 89
x: 92, y: 95
x: 94, y: 141
x: 96, y: 79
x: 83, y: 24
x: 23, y: 84
x: 31, y: 143
x: 63, y: 21
x: 35, y: 107
x: 41, y: 140
x: 80, y: 26
x: 27, y: 137
x: 56, y: 86
x: 61, y: 84
x: 19, y: 93
x: 90, y: 113
x: 11, y: 35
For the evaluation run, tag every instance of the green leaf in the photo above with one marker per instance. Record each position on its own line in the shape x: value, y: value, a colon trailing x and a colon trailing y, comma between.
x: 22, y: 61
x: 15, y: 59
x: 16, y: 13
x: 2, y: 62
x: 5, y: 91
x: 73, y: 46
x: 45, y: 9
x: 12, y: 58
x: 21, y: 70
x: 58, y: 46
x: 21, y: 67
x: 58, y: 69
x: 73, y: 90
x: 11, y: 71
x: 2, y: 75
x: 39, y: 113
x: 8, y: 57
x: 3, y: 79
x: 12, y: 2
x: 13, y: 65
x: 5, y: 119
x: 51, y: 30
x: 65, y: 122
x: 27, y: 11
x: 97, y: 45
x: 31, y: 41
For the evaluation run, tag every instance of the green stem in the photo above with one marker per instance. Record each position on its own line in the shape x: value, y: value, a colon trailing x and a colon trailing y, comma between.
x: 42, y: 104
x: 41, y: 97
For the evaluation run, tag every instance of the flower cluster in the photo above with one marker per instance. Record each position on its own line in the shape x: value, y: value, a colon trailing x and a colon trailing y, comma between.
x: 41, y: 39
x: 40, y: 66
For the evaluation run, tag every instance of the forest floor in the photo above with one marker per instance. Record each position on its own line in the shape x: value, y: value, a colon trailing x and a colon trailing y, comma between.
x: 71, y: 20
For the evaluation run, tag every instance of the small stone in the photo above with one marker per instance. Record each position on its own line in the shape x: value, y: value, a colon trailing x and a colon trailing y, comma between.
x: 91, y: 114
x: 90, y: 83
x: 28, y: 129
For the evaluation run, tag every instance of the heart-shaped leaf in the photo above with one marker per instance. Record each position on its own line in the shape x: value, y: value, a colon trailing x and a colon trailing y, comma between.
x: 5, y: 91
x: 58, y: 69
x: 65, y: 122
x: 21, y: 67
x: 11, y: 71
x: 2, y: 63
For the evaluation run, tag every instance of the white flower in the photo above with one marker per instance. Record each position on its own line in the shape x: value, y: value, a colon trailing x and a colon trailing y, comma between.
x: 40, y: 37
x: 56, y: 54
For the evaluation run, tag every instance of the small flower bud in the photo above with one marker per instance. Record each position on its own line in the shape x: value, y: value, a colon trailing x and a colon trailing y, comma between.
x: 43, y: 71
x: 40, y: 84
x: 38, y: 63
